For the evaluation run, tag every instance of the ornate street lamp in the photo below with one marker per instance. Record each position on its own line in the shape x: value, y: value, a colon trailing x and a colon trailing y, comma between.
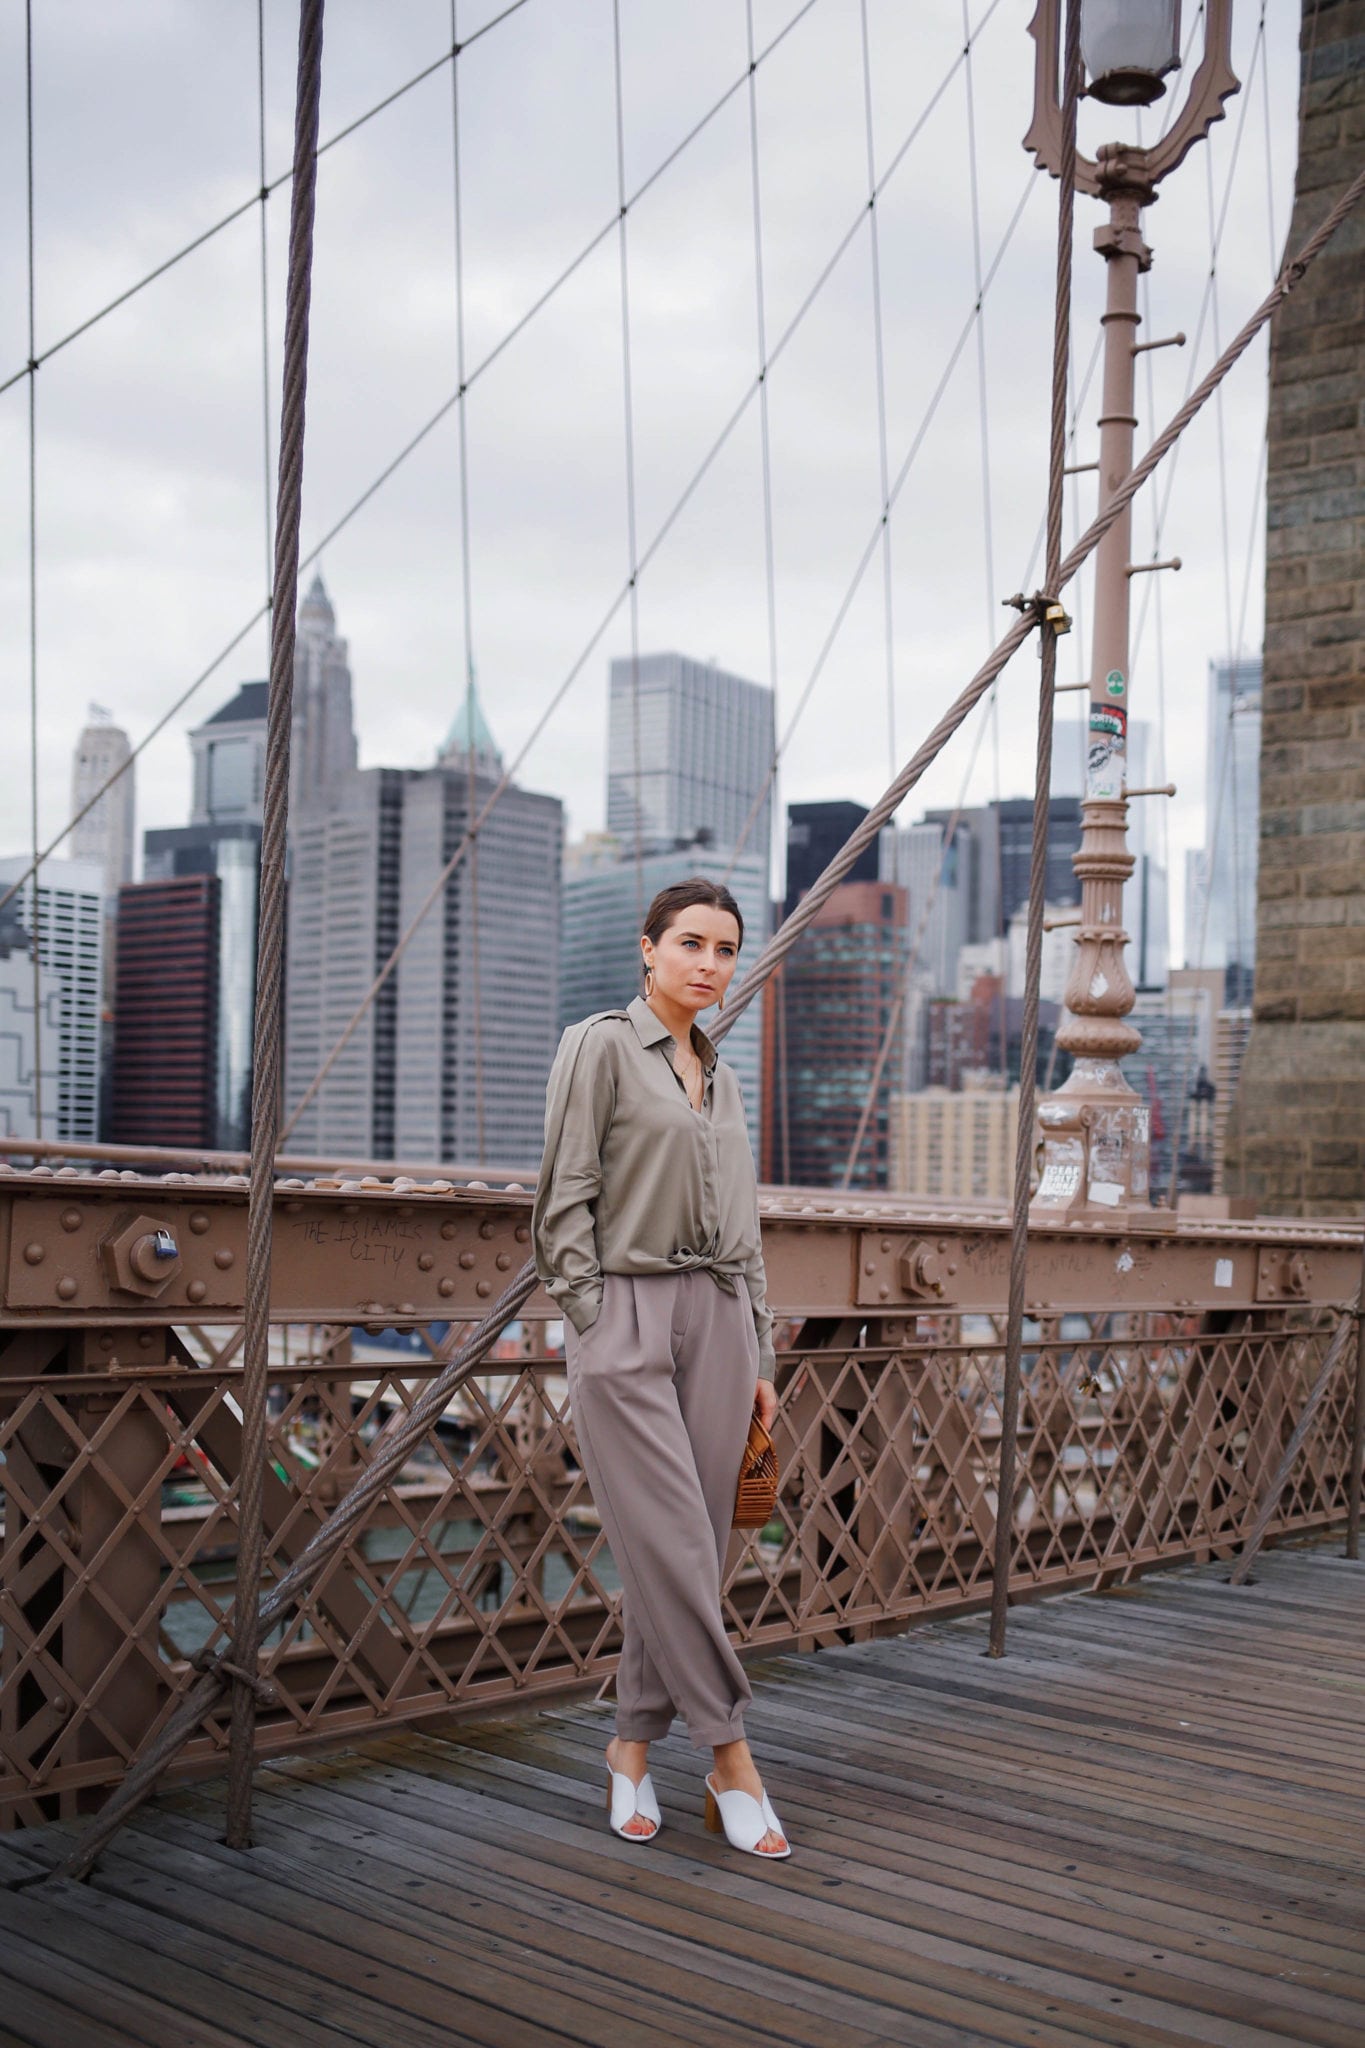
x: 1093, y: 1132
x: 1127, y: 49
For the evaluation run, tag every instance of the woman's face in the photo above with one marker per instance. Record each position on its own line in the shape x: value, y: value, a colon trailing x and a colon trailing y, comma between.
x: 695, y: 959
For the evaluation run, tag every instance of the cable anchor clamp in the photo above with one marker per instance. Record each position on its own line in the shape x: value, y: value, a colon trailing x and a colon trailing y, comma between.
x: 1047, y: 611
x: 208, y: 1659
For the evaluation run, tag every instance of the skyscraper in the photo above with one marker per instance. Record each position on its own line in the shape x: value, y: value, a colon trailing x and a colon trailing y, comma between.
x: 840, y: 985
x: 65, y: 913
x: 164, y: 1075
x: 28, y: 1045
x: 451, y: 1058
x: 815, y: 832
x: 1016, y: 853
x: 223, y: 840
x: 705, y: 742
x: 228, y: 755
x: 932, y: 872
x: 323, y: 743
x: 105, y: 834
x: 1220, y: 876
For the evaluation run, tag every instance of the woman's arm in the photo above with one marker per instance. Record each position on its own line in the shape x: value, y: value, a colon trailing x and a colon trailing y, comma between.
x: 579, y: 1098
x: 756, y: 1280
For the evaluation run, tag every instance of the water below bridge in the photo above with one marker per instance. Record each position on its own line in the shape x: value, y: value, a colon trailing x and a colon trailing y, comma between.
x: 1143, y: 1827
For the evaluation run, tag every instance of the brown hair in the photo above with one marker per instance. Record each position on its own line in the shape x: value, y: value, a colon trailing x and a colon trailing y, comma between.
x: 670, y: 903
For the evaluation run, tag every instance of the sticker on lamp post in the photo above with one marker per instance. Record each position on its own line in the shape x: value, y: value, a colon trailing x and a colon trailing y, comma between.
x: 1114, y: 685
x: 1106, y: 751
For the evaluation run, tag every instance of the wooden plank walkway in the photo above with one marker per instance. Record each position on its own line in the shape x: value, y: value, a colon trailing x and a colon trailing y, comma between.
x: 1146, y: 1826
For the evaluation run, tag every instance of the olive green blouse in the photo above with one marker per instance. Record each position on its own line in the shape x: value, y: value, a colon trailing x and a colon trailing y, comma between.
x: 634, y: 1179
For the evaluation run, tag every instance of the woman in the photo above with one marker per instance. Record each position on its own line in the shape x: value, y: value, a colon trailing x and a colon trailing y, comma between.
x: 647, y: 1238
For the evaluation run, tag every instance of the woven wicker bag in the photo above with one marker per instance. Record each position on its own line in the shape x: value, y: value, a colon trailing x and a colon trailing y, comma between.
x: 756, y: 1493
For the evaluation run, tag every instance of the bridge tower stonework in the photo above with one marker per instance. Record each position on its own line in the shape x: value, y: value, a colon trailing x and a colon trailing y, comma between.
x: 1297, y: 1133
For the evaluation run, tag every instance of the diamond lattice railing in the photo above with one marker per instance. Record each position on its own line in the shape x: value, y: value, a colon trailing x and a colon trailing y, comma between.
x: 481, y: 1573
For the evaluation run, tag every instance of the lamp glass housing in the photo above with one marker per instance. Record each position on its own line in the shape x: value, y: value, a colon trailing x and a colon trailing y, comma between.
x: 1128, y: 46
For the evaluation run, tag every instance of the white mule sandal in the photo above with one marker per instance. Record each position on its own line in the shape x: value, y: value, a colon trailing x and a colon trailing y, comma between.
x: 626, y: 1799
x: 744, y: 1821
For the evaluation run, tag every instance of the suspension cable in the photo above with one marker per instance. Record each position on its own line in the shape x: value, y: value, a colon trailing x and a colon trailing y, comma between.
x: 36, y: 935
x: 1199, y: 325
x: 466, y: 587
x: 765, y: 444
x: 1033, y: 961
x: 397, y: 1444
x: 874, y: 255
x: 257, y: 198
x: 265, y: 294
x: 1227, y: 768
x: 988, y: 538
x: 245, y: 1638
x: 449, y: 404
x: 628, y: 430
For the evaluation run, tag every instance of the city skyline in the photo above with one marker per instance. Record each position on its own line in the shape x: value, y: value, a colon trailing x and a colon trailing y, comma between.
x: 701, y: 743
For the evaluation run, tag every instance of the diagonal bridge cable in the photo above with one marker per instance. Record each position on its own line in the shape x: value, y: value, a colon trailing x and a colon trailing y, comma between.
x: 396, y: 1445
x: 269, y: 1007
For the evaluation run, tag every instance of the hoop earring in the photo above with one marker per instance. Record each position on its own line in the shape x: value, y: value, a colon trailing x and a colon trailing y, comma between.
x: 720, y: 1004
x: 649, y: 981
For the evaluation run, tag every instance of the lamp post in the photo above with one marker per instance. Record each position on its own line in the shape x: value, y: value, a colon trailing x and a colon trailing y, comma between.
x: 1093, y: 1132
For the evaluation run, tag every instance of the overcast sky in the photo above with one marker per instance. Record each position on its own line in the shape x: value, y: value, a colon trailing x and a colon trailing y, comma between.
x: 149, y: 444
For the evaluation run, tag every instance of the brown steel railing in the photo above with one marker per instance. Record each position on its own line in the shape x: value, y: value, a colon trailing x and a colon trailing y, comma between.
x: 1147, y: 1435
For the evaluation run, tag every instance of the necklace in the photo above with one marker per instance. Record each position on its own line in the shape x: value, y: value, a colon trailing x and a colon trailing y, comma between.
x: 687, y: 1075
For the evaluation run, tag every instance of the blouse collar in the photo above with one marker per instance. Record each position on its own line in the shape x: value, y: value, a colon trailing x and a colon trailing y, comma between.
x: 651, y: 1029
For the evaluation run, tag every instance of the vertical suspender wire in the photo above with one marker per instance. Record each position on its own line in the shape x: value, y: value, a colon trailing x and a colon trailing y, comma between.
x: 874, y: 252
x: 269, y: 528
x: 36, y: 920
x: 778, y: 994
x: 1047, y: 683
x: 1227, y: 771
x: 270, y: 950
x: 1237, y: 932
x: 983, y: 427
x: 628, y: 408
x: 1078, y: 606
x: 467, y: 603
x: 1155, y: 769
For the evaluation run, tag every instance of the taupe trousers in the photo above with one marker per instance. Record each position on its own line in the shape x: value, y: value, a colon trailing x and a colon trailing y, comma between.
x: 661, y: 1386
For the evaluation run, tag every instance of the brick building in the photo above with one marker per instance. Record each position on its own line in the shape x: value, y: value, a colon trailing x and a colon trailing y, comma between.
x: 1297, y: 1138
x: 165, y: 1009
